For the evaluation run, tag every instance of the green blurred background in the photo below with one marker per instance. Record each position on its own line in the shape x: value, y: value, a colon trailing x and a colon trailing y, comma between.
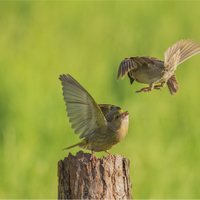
x: 41, y: 40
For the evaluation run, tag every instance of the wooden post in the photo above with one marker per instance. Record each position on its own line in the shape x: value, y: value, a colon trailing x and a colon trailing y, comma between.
x: 78, y: 178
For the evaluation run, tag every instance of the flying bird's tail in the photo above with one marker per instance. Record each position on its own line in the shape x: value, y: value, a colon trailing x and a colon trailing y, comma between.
x: 172, y: 85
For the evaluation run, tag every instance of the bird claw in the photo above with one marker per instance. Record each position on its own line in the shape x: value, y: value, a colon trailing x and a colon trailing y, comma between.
x: 143, y: 90
x: 113, y: 159
x: 147, y: 89
x: 93, y: 157
x: 157, y: 87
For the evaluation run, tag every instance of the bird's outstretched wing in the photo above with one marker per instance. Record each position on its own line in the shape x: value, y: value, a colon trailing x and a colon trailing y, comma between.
x: 133, y: 63
x: 181, y: 51
x: 83, y: 112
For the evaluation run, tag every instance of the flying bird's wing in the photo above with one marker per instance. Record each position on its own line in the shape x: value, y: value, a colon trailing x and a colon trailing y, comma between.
x: 133, y: 63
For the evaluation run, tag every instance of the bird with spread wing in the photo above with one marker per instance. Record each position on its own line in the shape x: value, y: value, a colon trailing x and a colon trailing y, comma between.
x: 101, y: 126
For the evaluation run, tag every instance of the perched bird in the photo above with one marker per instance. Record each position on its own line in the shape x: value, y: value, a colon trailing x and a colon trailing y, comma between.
x: 150, y: 70
x: 101, y: 126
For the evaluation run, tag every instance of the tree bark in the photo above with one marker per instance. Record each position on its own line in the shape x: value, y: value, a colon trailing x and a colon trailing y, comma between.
x: 79, y: 178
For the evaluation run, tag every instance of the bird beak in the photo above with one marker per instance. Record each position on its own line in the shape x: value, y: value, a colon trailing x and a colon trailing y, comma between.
x: 124, y: 114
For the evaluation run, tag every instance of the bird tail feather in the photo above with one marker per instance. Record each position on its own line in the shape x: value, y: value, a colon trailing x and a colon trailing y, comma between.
x: 80, y: 144
x: 187, y: 48
x: 172, y: 85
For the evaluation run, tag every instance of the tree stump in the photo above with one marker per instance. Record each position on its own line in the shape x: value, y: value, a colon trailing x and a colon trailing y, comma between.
x: 79, y: 178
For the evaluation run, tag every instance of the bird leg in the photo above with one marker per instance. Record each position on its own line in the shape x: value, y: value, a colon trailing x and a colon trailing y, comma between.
x: 93, y: 157
x: 113, y: 159
x: 158, y: 86
x: 146, y: 89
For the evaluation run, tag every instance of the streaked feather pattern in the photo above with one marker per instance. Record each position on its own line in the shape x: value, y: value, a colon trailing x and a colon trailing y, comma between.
x: 174, y: 61
x: 172, y: 85
x: 187, y: 49
x: 133, y: 63
x: 83, y: 112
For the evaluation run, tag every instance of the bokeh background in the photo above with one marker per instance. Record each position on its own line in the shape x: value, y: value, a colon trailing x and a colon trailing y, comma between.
x: 41, y: 40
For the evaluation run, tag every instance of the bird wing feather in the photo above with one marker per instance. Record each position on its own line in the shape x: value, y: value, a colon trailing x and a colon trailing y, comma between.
x: 83, y: 112
x: 133, y: 63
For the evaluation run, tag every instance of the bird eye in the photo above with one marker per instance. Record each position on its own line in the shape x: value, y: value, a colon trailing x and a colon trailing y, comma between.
x: 117, y: 117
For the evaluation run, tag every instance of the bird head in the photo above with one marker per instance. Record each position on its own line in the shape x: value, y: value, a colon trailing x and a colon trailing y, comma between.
x: 117, y: 119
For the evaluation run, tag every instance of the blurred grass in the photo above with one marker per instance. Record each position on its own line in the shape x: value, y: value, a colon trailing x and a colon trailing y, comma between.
x: 41, y: 40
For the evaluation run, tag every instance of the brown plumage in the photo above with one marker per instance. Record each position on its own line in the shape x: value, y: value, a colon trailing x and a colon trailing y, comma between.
x: 150, y: 70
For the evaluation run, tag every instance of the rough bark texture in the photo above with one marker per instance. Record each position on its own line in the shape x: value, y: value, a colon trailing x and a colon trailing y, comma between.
x: 78, y: 178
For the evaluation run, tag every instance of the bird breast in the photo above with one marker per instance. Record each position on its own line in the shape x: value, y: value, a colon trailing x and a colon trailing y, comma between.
x: 102, y: 140
x: 148, y: 74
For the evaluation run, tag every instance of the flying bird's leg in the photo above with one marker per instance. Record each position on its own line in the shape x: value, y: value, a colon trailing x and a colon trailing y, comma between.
x: 93, y: 157
x: 113, y: 159
x: 151, y: 87
x: 158, y: 86
x: 146, y: 89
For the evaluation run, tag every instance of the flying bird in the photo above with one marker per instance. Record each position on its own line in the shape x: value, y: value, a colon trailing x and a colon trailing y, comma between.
x: 150, y: 70
x: 101, y: 126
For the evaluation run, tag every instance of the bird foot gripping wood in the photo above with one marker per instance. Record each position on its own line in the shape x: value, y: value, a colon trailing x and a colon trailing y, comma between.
x: 93, y: 158
x: 113, y: 159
